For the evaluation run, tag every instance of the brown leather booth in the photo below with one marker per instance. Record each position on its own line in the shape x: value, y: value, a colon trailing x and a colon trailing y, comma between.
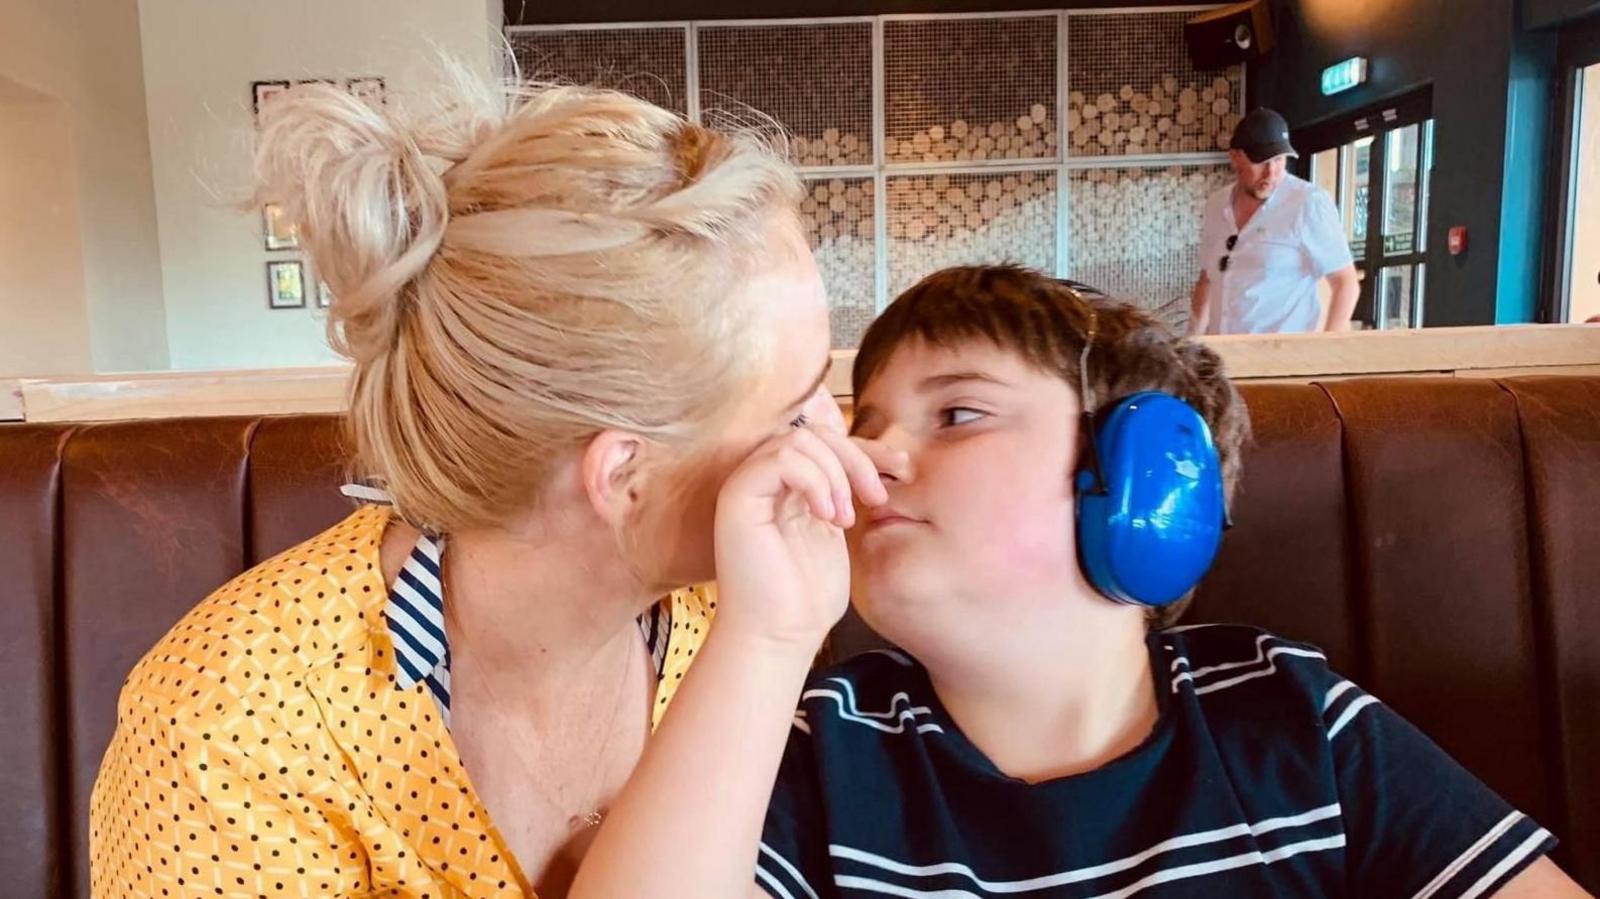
x: 1433, y: 535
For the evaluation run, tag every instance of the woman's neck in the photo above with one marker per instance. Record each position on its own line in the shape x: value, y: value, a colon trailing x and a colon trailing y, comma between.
x: 1063, y: 697
x: 531, y: 604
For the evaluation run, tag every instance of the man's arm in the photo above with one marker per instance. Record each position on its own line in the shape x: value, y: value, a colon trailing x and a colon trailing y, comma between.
x: 1541, y: 880
x: 1346, y: 285
x: 1200, y: 307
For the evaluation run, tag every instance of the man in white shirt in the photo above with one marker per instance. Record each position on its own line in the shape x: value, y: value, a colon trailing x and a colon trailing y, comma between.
x: 1266, y: 240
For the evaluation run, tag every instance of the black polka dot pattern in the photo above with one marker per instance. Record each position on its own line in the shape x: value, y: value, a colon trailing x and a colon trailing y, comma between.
x: 261, y: 747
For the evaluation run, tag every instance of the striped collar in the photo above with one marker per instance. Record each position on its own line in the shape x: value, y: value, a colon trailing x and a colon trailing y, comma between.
x: 414, y: 614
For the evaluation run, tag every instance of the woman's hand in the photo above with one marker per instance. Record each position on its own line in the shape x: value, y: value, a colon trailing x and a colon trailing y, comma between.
x: 783, y: 573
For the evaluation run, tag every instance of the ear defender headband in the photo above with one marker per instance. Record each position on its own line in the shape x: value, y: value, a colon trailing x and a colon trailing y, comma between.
x: 1150, y: 502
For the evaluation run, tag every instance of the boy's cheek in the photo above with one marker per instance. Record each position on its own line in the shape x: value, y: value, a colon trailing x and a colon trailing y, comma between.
x: 1012, y: 535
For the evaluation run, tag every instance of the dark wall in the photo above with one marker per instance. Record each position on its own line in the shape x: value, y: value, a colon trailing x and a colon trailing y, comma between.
x: 542, y: 12
x: 1539, y: 13
x: 1465, y: 50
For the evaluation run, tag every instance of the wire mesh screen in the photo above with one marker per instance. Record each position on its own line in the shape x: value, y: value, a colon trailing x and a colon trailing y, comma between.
x: 815, y: 79
x: 1134, y: 91
x: 837, y: 214
x: 650, y: 63
x: 969, y: 89
x: 955, y: 219
x: 1135, y: 232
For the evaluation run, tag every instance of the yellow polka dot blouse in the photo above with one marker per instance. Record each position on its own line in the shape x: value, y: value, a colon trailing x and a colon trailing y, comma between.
x: 262, y: 747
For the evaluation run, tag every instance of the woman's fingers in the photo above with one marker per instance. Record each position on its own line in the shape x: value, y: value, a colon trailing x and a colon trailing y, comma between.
x: 859, y: 465
x: 816, y: 446
x: 799, y: 473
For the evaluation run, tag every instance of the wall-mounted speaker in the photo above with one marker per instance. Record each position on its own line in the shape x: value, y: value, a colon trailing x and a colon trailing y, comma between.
x: 1229, y: 35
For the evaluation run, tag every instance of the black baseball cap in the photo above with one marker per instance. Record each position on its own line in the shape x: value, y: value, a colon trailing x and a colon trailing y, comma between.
x: 1262, y: 135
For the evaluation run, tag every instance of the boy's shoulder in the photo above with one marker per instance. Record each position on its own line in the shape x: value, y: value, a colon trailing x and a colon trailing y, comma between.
x: 1241, y: 662
x: 884, y: 689
x: 874, y: 673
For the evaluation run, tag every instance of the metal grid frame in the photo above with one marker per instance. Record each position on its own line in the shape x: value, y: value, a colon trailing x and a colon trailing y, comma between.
x: 839, y: 215
x: 1030, y: 148
x: 690, y: 105
x: 853, y: 122
x: 1063, y: 165
x: 1142, y: 258
x: 939, y: 218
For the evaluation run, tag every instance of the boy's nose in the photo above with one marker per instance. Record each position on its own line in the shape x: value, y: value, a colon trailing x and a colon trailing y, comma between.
x: 894, y: 458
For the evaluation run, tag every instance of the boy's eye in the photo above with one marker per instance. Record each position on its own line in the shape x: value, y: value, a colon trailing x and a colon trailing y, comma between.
x: 958, y: 415
x: 799, y: 422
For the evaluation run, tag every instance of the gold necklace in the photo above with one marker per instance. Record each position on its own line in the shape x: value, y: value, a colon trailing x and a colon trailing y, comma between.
x: 594, y: 815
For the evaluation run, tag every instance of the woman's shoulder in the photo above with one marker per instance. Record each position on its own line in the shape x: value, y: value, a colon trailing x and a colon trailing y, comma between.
x: 293, y: 612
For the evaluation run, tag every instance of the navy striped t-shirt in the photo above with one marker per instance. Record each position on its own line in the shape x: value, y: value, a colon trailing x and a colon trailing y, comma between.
x: 1266, y: 775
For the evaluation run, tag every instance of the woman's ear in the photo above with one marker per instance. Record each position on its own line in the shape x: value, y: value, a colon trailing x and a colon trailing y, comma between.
x: 612, y: 473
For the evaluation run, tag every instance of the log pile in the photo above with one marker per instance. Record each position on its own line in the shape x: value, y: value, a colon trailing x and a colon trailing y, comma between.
x: 1133, y: 90
x: 939, y: 220
x: 814, y: 80
x: 1135, y: 232
x: 837, y: 214
x: 1032, y: 134
x: 970, y: 90
x: 1163, y: 117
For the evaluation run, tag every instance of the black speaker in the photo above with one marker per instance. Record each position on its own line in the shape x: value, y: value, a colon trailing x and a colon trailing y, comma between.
x: 1229, y: 35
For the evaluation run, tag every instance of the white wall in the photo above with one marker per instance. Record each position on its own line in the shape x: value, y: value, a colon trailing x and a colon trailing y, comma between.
x: 200, y: 57
x: 44, y: 319
x: 1585, y: 275
x: 86, y: 58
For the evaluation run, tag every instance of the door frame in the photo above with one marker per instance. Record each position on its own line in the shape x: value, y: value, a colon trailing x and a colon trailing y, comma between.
x: 1577, y: 48
x: 1378, y: 121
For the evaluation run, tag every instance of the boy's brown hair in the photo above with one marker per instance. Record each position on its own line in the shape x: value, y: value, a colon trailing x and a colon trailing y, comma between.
x: 1045, y: 320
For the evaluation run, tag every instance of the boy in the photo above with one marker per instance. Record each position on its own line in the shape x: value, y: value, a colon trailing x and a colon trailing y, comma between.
x: 1034, y: 738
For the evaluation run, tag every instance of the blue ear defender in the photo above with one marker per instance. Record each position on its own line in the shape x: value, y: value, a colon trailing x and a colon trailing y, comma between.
x: 1151, y: 510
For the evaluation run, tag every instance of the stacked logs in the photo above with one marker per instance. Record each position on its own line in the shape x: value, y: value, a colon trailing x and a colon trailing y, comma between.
x: 837, y: 214
x: 970, y: 89
x: 1164, y: 117
x: 1030, y: 135
x: 831, y: 147
x: 1135, y: 232
x: 814, y: 80
x: 941, y: 220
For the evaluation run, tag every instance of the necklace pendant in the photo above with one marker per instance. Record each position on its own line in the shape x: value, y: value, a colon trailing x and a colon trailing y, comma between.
x: 592, y: 819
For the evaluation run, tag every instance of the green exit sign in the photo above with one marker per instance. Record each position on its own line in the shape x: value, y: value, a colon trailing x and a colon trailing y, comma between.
x: 1342, y: 76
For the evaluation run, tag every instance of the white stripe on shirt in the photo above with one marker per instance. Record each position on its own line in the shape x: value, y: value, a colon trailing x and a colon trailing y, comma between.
x: 1349, y: 713
x: 1511, y: 860
x: 1183, y: 872
x: 1094, y: 872
x: 1465, y: 858
x: 788, y: 868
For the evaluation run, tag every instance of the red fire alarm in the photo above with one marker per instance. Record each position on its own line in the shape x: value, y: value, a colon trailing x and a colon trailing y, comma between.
x: 1457, y: 241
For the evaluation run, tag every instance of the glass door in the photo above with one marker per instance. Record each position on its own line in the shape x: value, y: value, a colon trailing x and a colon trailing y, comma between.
x: 1376, y: 166
x: 1582, y: 256
x: 1408, y: 158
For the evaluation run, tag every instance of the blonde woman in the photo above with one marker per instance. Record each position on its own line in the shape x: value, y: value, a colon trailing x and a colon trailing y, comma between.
x: 574, y: 319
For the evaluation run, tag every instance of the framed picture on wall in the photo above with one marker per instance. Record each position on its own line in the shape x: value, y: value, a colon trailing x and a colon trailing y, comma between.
x: 370, y: 90
x: 281, y: 233
x: 286, y: 284
x: 324, y: 295
x: 263, y: 92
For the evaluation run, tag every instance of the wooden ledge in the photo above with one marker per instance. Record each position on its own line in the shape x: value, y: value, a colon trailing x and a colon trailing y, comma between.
x: 1464, y: 352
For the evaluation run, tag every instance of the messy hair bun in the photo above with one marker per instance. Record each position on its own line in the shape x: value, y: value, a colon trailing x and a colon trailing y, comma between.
x: 517, y: 269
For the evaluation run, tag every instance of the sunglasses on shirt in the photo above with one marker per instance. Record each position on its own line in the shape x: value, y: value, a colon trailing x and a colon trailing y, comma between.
x: 1222, y: 264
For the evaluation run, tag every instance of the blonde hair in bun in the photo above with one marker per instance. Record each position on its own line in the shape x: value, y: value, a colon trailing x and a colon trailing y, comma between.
x: 516, y: 269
